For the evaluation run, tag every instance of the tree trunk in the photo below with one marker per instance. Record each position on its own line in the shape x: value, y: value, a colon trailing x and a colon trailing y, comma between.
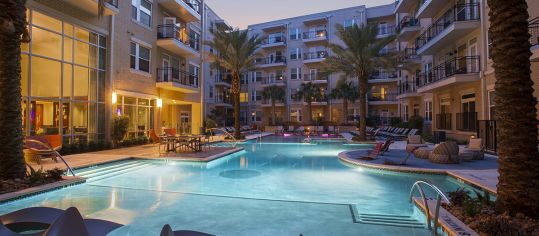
x: 273, y: 112
x: 310, y: 111
x: 362, y: 107
x: 518, y: 186
x: 12, y: 26
x: 345, y: 111
x: 235, y: 93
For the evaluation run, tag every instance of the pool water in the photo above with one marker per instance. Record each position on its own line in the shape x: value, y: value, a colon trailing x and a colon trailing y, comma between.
x: 278, y: 187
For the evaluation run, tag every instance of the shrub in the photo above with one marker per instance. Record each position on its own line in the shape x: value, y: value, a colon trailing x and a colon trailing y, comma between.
x: 120, y: 125
x: 373, y: 121
x: 415, y: 122
x: 54, y: 174
x: 395, y: 121
x: 92, y: 146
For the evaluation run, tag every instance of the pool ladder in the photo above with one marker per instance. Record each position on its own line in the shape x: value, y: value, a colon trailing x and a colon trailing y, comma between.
x: 56, y: 153
x: 227, y: 134
x: 439, y: 197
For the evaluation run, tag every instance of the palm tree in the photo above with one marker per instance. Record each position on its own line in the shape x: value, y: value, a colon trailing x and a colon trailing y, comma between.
x: 346, y: 91
x: 518, y: 186
x: 358, y: 58
x: 309, y: 93
x: 237, y: 54
x: 274, y: 93
x: 12, y: 33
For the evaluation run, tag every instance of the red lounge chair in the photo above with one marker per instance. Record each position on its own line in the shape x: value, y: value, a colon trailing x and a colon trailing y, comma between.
x: 374, y: 153
x: 170, y: 132
x: 40, y: 147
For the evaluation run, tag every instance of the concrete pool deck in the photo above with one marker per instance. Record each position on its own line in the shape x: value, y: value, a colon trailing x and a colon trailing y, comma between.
x: 481, y: 173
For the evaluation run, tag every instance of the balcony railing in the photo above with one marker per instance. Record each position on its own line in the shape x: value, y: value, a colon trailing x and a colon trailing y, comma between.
x: 387, y: 51
x: 271, y: 60
x: 274, y: 80
x: 319, y: 34
x: 377, y: 74
x: 171, y: 74
x: 113, y: 3
x: 457, y: 65
x: 467, y: 121
x: 171, y: 31
x: 223, y: 99
x: 460, y: 12
x: 274, y: 39
x: 407, y: 87
x: 194, y: 4
x: 223, y: 78
x: 443, y: 121
x: 386, y: 30
x: 378, y: 97
x: 534, y: 31
x: 315, y: 55
x: 408, y: 22
x: 268, y: 102
x: 315, y: 77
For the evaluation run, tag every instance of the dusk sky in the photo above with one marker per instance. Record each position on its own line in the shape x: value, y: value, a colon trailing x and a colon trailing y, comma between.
x: 240, y: 13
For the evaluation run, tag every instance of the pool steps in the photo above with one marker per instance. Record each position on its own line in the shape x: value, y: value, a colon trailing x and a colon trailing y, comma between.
x: 391, y: 220
x: 99, y: 173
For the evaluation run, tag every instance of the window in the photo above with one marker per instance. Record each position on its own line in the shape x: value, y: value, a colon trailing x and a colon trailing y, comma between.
x: 295, y: 34
x: 141, y: 11
x: 349, y: 23
x: 195, y: 71
x: 295, y: 54
x: 211, y: 91
x: 353, y: 115
x: 258, y: 96
x: 140, y: 57
x: 295, y: 115
x: 257, y: 76
x: 405, y: 112
x: 491, y: 107
x: 244, y: 97
x: 253, y: 95
x: 295, y: 73
x: 256, y: 116
x: 428, y: 111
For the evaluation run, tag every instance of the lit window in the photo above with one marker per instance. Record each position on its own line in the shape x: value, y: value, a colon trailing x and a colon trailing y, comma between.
x: 244, y: 97
x: 428, y: 111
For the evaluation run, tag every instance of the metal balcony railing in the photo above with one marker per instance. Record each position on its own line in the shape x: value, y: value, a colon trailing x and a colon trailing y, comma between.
x: 460, y: 12
x: 443, y: 121
x: 223, y: 99
x: 378, y: 97
x: 315, y: 77
x: 454, y: 66
x: 386, y: 30
x: 315, y: 55
x: 194, y: 4
x: 170, y: 31
x: 318, y: 34
x: 408, y: 21
x: 271, y: 60
x: 171, y: 74
x: 407, y: 87
x: 223, y: 78
x: 377, y: 74
x: 113, y: 3
x: 274, y: 39
x: 387, y: 51
x: 274, y: 80
x: 467, y: 121
x: 534, y: 31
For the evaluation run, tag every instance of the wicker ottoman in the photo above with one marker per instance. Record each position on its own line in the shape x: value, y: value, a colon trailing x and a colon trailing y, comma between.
x: 422, y: 153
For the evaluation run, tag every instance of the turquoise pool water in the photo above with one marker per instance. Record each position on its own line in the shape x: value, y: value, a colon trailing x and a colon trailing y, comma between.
x: 278, y: 187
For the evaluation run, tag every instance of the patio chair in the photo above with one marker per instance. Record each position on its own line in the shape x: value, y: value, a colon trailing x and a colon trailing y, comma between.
x: 374, y: 153
x: 153, y: 136
x: 279, y: 130
x: 41, y: 147
x: 413, y: 142
x: 331, y: 129
x: 300, y: 130
x: 474, y: 151
x: 445, y: 153
x: 320, y: 130
x: 167, y: 231
x: 385, y: 147
x: 290, y: 128
x: 170, y: 132
x: 70, y: 222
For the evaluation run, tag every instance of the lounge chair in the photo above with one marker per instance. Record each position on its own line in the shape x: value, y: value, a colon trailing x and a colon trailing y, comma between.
x: 167, y: 231
x: 474, y: 151
x: 385, y: 147
x: 42, y: 147
x: 414, y: 142
x: 290, y: 128
x: 70, y: 222
x: 153, y: 136
x: 170, y: 132
x: 374, y: 153
x: 300, y: 130
x: 279, y: 130
x: 331, y: 129
x: 320, y: 130
x: 445, y: 153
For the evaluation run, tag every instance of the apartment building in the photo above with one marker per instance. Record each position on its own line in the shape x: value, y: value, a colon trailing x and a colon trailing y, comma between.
x: 142, y: 59
x: 294, y: 50
x: 447, y: 75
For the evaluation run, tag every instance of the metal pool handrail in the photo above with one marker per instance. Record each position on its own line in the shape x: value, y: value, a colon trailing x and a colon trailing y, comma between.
x: 55, y: 152
x: 227, y: 134
x: 439, y: 197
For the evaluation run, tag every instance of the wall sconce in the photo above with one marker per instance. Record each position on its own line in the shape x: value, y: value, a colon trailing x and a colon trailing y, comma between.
x: 159, y: 102
x: 253, y: 114
x: 114, y: 98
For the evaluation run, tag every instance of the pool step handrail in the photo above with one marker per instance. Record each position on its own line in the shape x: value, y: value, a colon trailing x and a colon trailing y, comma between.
x: 56, y: 153
x: 439, y: 197
x: 227, y: 134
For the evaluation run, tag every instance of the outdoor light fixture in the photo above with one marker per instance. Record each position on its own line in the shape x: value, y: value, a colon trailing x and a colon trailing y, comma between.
x: 114, y: 98
x: 159, y: 102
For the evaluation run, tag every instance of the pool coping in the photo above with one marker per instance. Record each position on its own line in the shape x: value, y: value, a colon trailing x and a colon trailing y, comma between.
x: 448, y: 222
x: 66, y: 181
x: 344, y: 157
x: 193, y: 159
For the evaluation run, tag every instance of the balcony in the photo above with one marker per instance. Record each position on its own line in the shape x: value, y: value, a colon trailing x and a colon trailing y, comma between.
x: 382, y: 99
x: 315, y: 79
x: 187, y: 10
x: 314, y: 57
x: 274, y: 41
x: 223, y: 80
x: 271, y: 61
x: 267, y: 103
x: 407, y: 89
x: 443, y: 121
x: 170, y: 78
x: 319, y: 101
x: 408, y: 27
x: 429, y: 8
x: 274, y: 81
x: 177, y: 40
x: 223, y: 101
x: 467, y: 121
x: 315, y: 36
x: 383, y: 76
x: 385, y: 31
x: 454, y: 71
x: 408, y: 55
x: 460, y: 20
x: 534, y: 39
x: 403, y: 6
x: 90, y: 6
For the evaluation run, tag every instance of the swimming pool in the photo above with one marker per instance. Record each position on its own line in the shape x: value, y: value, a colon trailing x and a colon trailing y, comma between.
x: 278, y: 187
